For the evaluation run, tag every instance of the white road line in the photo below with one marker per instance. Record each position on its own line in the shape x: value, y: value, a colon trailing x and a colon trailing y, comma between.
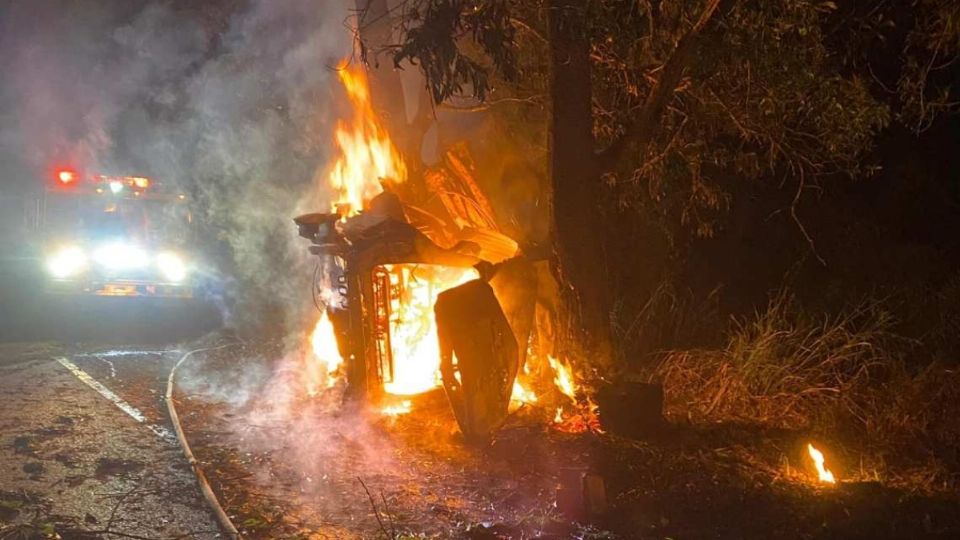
x: 134, y: 413
x: 127, y: 352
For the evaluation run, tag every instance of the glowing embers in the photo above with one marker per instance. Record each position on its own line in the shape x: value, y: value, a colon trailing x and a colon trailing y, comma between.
x: 824, y: 474
x: 580, y: 414
x: 325, y: 361
x: 367, y: 155
x: 406, y: 330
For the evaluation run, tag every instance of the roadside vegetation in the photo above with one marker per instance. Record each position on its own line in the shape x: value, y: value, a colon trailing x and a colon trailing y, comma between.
x: 735, y: 148
x: 848, y: 378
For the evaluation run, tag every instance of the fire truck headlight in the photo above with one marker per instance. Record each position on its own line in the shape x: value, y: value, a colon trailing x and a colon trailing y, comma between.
x: 171, y: 266
x: 66, y: 262
x: 120, y: 256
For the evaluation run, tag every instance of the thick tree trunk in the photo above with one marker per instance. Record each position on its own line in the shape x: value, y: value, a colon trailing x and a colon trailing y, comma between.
x: 575, y: 177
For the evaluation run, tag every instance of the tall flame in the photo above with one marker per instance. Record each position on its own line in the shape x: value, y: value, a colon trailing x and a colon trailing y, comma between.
x: 366, y: 158
x: 367, y: 155
x: 823, y: 472
x: 326, y: 357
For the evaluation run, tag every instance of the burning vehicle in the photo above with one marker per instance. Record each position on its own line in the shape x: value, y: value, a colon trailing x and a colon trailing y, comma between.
x: 409, y: 315
x: 415, y: 297
x: 115, y: 236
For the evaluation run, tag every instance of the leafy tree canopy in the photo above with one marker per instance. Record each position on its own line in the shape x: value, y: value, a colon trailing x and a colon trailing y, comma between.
x: 791, y: 90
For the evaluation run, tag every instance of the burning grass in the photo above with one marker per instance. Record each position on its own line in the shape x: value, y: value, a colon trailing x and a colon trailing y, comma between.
x: 847, y: 378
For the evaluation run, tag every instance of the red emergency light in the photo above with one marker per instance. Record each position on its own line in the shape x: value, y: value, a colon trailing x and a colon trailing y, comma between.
x: 66, y: 176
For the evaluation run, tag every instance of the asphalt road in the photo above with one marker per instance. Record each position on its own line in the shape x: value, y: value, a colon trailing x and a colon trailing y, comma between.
x: 86, y: 447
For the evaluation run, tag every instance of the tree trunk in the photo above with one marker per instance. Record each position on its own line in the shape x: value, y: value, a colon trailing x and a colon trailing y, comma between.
x: 574, y: 173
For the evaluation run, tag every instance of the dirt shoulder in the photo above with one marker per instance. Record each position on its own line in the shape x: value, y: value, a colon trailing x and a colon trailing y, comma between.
x: 74, y: 464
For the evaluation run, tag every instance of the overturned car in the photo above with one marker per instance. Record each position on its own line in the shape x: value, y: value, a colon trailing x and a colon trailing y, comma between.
x: 411, y: 314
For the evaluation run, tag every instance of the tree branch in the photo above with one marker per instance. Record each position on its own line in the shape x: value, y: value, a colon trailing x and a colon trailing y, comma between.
x: 796, y: 219
x: 533, y: 31
x: 376, y: 511
x: 532, y: 100
x: 643, y: 129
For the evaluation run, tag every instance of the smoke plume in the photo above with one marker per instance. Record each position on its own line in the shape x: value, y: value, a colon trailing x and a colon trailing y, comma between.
x: 230, y: 100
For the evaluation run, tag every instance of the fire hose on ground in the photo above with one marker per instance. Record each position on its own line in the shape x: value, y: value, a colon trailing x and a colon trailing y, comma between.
x: 205, y: 487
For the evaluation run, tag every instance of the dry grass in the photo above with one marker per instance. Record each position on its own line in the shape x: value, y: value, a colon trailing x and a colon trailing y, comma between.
x: 846, y: 378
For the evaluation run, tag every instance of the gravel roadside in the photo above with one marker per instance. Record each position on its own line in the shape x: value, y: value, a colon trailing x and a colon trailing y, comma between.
x: 73, y: 463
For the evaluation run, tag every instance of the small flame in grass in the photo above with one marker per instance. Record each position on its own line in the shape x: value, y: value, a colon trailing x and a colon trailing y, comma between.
x: 323, y: 343
x: 563, y: 378
x: 822, y: 471
x: 397, y: 409
x: 582, y: 415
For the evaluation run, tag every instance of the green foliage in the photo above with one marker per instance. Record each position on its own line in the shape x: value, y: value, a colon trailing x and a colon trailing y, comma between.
x: 907, y: 51
x: 779, y: 101
x: 762, y: 99
x: 774, y: 92
x: 930, y: 63
x: 432, y: 36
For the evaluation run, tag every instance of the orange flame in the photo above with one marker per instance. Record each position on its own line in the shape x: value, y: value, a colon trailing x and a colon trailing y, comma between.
x: 414, y: 345
x: 366, y: 158
x: 521, y: 395
x: 823, y: 472
x: 563, y: 378
x: 367, y: 155
x: 326, y: 356
x: 583, y: 417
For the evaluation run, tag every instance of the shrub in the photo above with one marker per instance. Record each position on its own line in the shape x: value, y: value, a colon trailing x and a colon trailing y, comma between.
x: 843, y: 376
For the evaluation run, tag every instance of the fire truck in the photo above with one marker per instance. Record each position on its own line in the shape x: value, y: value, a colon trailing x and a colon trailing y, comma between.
x: 115, y: 236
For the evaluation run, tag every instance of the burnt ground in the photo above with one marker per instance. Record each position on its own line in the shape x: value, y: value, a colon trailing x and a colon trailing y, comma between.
x: 289, y: 466
x: 73, y: 463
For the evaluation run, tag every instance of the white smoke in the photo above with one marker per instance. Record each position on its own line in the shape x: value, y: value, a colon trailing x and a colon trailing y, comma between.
x: 230, y: 100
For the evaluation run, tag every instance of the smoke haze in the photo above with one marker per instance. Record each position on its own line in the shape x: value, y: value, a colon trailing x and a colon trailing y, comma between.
x: 236, y: 102
x: 231, y: 100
